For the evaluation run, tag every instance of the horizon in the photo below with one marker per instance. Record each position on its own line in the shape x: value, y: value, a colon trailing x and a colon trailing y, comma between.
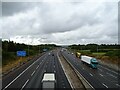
x: 59, y: 44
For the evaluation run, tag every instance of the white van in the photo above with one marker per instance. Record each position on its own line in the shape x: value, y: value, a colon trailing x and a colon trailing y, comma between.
x: 48, y: 81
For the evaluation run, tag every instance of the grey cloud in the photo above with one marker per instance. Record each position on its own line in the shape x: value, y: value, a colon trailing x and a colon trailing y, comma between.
x: 11, y: 8
x: 72, y: 20
x: 64, y: 23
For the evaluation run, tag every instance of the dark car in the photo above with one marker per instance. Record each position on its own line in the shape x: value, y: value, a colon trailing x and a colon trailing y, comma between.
x: 52, y: 54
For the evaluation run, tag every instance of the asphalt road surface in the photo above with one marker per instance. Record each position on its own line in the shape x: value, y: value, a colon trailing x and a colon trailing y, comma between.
x: 103, y: 77
x: 30, y: 74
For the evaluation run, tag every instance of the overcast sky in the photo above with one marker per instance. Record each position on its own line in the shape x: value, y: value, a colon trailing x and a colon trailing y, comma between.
x: 60, y: 23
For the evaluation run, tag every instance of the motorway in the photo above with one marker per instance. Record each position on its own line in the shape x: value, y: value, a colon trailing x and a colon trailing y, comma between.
x: 103, y: 77
x: 30, y: 74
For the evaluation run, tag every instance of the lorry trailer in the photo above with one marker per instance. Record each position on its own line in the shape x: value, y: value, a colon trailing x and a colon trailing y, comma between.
x: 90, y: 61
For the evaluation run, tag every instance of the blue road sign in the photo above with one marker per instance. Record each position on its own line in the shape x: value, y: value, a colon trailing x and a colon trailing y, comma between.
x: 21, y: 53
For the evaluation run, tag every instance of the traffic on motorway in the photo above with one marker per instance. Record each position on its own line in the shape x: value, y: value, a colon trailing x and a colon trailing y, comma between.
x: 60, y: 44
x: 47, y: 72
x: 98, y: 76
x: 45, y: 69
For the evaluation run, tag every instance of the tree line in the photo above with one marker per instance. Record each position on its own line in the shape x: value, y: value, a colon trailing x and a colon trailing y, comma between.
x: 95, y: 47
x: 111, y: 50
x: 10, y: 48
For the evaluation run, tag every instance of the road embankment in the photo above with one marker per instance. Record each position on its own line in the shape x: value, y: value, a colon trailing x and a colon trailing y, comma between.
x: 18, y: 63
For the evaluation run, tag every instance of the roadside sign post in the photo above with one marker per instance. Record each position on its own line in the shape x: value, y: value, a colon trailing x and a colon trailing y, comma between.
x: 21, y: 54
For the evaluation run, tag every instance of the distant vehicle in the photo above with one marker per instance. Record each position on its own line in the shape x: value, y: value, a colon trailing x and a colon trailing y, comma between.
x: 49, y: 54
x: 52, y: 54
x: 72, y: 53
x: 78, y: 54
x: 48, y: 81
x: 63, y: 49
x: 45, y: 49
x: 90, y: 61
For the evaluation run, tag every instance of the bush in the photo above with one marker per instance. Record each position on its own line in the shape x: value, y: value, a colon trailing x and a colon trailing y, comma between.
x: 105, y: 58
x: 85, y: 52
x: 7, y: 56
x: 113, y: 53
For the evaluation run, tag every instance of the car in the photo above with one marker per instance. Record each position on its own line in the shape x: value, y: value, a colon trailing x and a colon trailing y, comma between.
x: 49, y: 54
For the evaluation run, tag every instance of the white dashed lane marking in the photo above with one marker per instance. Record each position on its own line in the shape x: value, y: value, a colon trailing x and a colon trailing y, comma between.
x: 117, y: 85
x: 109, y: 70
x: 111, y: 75
x: 101, y: 75
x: 32, y: 73
x: 37, y: 67
x: 25, y: 84
x: 20, y: 75
x: 104, y: 85
x: 90, y: 74
x: 100, y: 69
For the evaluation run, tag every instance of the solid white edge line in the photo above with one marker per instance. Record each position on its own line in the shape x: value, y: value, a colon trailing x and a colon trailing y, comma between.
x: 20, y: 75
x: 25, y: 84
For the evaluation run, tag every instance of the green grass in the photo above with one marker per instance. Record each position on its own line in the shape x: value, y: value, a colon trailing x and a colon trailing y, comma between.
x: 99, y: 53
x: 85, y: 50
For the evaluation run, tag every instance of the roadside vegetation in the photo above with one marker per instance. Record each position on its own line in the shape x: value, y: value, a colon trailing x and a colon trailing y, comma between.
x: 9, y: 53
x: 107, y: 53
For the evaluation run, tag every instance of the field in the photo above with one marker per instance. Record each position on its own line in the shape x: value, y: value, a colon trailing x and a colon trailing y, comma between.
x: 110, y: 56
x: 99, y: 53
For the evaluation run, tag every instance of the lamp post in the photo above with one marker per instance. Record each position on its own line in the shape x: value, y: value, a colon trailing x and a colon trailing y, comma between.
x: 97, y: 48
x: 29, y: 48
x: 43, y: 41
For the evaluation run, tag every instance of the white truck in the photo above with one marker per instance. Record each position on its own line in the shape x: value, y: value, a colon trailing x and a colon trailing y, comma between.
x: 48, y: 81
x: 90, y: 61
